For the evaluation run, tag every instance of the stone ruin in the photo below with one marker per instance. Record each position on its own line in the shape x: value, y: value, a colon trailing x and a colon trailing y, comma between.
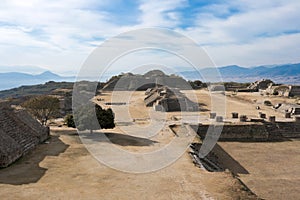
x: 268, y: 87
x: 283, y: 90
x: 216, y: 88
x: 168, y: 100
x: 132, y: 82
x: 19, y: 133
x: 293, y: 109
x: 256, y: 86
x: 260, y: 85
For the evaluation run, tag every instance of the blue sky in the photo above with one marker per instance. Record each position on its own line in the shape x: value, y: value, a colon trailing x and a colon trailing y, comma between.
x: 59, y: 34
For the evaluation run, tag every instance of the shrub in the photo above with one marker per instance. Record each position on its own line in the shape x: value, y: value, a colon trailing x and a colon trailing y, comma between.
x: 69, y: 120
x: 85, y: 118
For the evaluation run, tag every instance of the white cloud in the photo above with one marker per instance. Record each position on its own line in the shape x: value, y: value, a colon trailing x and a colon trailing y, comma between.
x: 61, y: 34
x: 51, y: 32
x: 262, y: 51
x: 242, y: 27
x: 257, y: 33
x: 160, y: 13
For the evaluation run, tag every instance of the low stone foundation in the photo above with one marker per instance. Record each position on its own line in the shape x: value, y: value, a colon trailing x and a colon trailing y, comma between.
x: 250, y: 132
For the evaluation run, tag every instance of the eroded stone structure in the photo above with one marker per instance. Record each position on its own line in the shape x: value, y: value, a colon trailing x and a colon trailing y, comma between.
x: 166, y: 99
x: 260, y: 85
x: 19, y: 133
x: 251, y: 131
x: 283, y: 90
x: 132, y: 82
x: 294, y: 109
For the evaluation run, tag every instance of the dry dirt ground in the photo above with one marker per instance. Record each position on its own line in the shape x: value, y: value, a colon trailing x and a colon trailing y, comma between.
x: 64, y: 169
x: 273, y: 169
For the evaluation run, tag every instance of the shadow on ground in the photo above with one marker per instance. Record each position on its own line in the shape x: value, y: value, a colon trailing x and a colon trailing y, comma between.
x: 119, y: 139
x: 228, y: 162
x: 27, y: 170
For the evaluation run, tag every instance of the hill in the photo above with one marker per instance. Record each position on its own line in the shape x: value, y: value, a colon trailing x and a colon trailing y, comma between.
x: 15, y: 79
x: 40, y: 89
x: 286, y: 73
x: 129, y: 81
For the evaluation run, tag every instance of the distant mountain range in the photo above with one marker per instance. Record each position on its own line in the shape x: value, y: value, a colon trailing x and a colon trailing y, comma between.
x: 15, y: 79
x: 286, y: 73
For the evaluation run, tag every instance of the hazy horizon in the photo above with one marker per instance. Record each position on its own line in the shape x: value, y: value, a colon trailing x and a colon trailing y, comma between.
x: 36, y: 70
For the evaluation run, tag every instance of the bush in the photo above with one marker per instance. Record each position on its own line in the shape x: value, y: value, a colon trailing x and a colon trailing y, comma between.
x: 85, y: 118
x: 69, y: 120
x: 197, y: 84
x: 105, y: 117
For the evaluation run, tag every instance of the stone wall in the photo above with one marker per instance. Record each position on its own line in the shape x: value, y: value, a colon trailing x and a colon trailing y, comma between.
x: 251, y: 132
x: 294, y: 91
x: 260, y: 85
x: 234, y: 132
x: 39, y: 130
x: 20, y: 133
x: 10, y: 150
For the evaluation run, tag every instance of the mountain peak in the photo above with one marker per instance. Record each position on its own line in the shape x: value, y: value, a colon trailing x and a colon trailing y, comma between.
x: 48, y: 74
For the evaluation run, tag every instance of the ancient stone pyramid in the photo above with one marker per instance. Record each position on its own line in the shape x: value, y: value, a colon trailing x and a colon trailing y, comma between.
x: 19, y: 133
x: 133, y: 82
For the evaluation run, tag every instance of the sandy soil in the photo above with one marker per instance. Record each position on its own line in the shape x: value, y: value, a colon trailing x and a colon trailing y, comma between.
x: 270, y: 169
x: 273, y: 170
x: 63, y: 169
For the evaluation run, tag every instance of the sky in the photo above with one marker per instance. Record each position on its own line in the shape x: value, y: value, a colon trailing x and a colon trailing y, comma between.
x: 59, y: 35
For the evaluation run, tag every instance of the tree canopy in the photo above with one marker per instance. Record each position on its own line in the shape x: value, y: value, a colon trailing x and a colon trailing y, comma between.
x: 69, y: 120
x: 43, y: 107
x: 85, y: 118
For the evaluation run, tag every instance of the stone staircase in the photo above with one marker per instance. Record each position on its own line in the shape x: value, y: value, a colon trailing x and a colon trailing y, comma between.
x: 149, y: 100
x: 210, y: 162
x: 10, y: 150
x: 19, y: 133
x: 39, y: 130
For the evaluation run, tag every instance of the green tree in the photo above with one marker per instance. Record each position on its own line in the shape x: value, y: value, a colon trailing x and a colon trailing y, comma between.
x: 43, y: 107
x: 69, y: 120
x: 85, y: 118
x: 105, y: 117
x: 197, y: 84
